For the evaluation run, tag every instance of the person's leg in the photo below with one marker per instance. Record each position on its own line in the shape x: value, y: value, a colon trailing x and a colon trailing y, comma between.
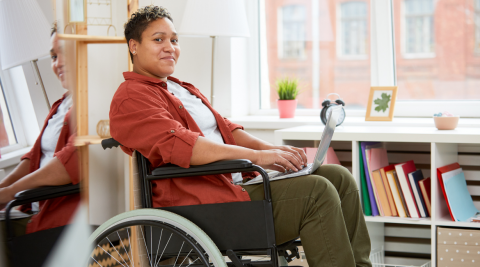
x: 309, y: 207
x: 18, y: 226
x: 347, y: 189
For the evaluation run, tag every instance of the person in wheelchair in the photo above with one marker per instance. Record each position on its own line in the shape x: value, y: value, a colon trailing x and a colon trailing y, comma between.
x: 52, y: 161
x: 170, y: 122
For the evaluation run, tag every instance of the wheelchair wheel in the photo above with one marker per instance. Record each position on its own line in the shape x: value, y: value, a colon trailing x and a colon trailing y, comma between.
x: 151, y: 237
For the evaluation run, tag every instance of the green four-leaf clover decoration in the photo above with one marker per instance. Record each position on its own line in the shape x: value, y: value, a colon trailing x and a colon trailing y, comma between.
x: 382, y: 103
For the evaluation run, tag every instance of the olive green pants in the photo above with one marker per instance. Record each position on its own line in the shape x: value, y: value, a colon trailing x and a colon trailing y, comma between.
x: 324, y: 209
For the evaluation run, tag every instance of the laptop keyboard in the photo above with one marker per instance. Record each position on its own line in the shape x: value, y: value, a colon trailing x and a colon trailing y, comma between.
x: 305, y: 169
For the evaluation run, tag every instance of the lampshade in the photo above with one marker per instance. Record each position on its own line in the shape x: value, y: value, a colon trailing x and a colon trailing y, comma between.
x: 215, y: 18
x: 24, y: 32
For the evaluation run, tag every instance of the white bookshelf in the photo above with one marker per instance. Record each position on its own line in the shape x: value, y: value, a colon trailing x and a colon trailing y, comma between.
x: 427, y: 146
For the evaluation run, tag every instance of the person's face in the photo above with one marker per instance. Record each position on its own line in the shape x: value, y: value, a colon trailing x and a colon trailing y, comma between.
x: 157, y: 54
x: 57, y: 60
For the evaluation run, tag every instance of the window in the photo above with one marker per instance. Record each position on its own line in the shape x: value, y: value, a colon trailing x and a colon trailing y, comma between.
x: 477, y: 26
x: 291, y: 32
x: 313, y: 58
x: 429, y: 49
x: 353, y: 29
x: 419, y: 28
x: 453, y: 74
x: 7, y: 135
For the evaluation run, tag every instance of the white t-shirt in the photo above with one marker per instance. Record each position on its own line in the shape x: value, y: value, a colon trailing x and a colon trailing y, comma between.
x: 51, y: 134
x: 202, y: 115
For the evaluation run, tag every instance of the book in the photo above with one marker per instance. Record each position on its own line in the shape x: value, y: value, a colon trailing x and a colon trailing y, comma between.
x: 403, y: 169
x: 401, y: 193
x: 440, y: 172
x: 426, y: 193
x: 460, y: 199
x: 373, y: 202
x: 414, y: 177
x: 388, y: 188
x: 400, y: 206
x: 331, y: 157
x: 367, y: 209
x: 381, y: 192
x: 372, y: 181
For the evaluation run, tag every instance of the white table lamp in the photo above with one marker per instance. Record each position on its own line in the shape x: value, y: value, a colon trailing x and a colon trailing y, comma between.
x: 214, y: 18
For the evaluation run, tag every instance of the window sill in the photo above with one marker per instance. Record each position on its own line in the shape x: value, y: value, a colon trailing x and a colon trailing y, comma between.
x: 275, y: 123
x: 13, y: 157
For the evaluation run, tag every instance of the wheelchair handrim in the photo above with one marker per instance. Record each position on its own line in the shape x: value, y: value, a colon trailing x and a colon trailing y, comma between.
x: 170, y: 218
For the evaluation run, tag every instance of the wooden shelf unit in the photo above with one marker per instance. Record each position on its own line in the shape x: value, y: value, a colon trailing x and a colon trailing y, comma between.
x: 428, y: 147
x: 83, y: 139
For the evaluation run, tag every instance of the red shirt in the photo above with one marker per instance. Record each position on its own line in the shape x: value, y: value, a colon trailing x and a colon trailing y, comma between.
x: 57, y: 211
x: 146, y: 117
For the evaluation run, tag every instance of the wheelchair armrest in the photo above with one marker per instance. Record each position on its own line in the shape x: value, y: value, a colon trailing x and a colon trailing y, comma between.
x: 219, y: 166
x: 46, y: 192
x: 110, y: 143
x: 37, y: 194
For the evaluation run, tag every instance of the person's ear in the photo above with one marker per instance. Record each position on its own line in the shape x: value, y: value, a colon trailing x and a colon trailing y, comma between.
x: 132, y: 46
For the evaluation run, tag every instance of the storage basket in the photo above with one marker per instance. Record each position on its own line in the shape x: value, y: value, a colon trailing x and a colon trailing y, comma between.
x: 378, y: 260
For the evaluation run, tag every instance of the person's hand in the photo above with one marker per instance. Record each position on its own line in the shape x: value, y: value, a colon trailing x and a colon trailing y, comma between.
x: 5, y: 197
x: 300, y: 153
x: 279, y: 160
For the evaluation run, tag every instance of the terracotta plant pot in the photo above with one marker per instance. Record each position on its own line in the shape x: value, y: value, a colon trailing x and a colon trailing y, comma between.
x: 446, y: 123
x: 287, y: 108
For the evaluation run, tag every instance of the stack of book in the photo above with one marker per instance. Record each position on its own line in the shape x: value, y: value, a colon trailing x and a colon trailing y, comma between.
x: 398, y: 190
x: 454, y: 187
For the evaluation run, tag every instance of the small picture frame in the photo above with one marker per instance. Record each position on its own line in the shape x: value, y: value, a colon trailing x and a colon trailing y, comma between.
x: 381, y: 103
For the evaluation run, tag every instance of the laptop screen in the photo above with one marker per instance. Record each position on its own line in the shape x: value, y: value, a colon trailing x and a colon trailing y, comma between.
x: 325, y: 141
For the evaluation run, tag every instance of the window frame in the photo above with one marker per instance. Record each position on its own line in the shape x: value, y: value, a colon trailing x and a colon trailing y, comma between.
x: 476, y: 18
x: 403, y: 33
x: 14, y: 114
x: 339, y: 37
x: 280, y: 29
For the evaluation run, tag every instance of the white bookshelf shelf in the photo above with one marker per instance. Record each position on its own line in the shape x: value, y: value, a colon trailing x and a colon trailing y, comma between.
x: 427, y: 146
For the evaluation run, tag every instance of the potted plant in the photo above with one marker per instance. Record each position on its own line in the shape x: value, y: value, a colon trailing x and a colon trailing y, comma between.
x: 287, y: 90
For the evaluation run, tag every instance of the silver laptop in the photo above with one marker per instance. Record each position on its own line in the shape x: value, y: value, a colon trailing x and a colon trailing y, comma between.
x: 319, y: 157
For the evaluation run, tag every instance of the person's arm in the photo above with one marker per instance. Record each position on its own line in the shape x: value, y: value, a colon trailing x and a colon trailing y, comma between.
x: 54, y: 173
x: 244, y: 139
x: 206, y: 151
x: 22, y: 169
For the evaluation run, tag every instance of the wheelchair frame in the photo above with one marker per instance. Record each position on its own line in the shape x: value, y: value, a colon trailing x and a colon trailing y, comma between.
x: 249, y: 231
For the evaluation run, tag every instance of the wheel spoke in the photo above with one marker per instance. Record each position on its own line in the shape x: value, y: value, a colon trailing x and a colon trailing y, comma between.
x: 145, y: 242
x: 186, y: 257
x: 116, y: 250
x: 175, y: 263
x: 160, y: 240
x: 126, y: 252
x: 111, y: 255
x: 130, y: 242
x: 96, y: 261
x: 193, y: 262
x: 156, y: 264
x: 151, y: 243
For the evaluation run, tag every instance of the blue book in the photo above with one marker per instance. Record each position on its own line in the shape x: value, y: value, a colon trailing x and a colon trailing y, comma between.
x: 373, y: 202
x: 459, y: 198
x: 414, y: 178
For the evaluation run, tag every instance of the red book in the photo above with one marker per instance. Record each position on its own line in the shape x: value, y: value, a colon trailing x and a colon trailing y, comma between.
x: 441, y: 171
x: 403, y: 169
x: 425, y: 188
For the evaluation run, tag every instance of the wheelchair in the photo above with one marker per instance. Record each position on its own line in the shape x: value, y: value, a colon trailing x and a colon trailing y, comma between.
x: 196, y: 235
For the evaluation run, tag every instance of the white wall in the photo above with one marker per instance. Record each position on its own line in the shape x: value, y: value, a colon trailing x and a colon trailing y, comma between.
x: 106, y: 63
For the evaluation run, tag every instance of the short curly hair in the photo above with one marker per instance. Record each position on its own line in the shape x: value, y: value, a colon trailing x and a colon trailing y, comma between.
x: 139, y: 21
x: 53, y: 30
